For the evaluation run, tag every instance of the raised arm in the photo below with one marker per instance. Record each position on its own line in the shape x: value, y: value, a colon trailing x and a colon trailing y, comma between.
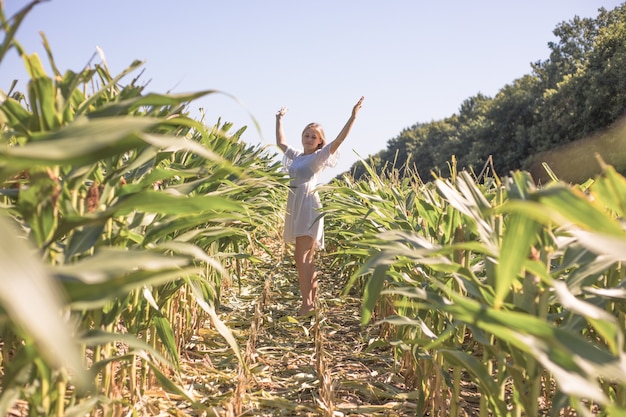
x: 334, y: 145
x: 280, y: 135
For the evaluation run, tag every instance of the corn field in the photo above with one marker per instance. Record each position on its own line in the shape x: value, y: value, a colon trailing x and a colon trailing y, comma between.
x: 136, y: 238
x: 515, y: 288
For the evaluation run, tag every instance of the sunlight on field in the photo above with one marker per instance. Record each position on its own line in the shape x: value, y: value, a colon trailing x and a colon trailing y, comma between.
x: 578, y: 161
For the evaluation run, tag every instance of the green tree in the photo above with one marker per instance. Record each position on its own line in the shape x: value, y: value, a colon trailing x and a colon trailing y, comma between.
x: 471, y: 125
x: 502, y: 131
x: 605, y: 77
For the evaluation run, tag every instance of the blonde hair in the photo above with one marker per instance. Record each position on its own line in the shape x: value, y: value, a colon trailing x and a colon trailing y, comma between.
x: 318, y: 128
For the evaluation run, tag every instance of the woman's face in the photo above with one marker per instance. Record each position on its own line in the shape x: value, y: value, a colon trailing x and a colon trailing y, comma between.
x: 311, y: 139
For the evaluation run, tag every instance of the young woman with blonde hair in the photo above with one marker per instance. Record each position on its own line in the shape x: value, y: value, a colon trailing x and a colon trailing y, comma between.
x: 302, y: 225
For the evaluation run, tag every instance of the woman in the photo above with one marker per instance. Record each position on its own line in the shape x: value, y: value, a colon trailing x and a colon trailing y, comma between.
x: 303, y: 204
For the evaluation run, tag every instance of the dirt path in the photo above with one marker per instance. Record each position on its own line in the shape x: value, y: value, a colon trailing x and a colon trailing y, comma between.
x: 318, y: 366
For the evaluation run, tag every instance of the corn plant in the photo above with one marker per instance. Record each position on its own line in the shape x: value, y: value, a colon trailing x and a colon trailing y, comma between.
x: 515, y: 288
x: 124, y: 214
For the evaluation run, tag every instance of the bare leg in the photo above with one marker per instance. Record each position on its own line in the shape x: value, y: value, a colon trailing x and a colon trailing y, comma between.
x: 307, y: 275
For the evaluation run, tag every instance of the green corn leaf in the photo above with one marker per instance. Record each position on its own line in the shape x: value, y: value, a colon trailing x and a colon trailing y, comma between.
x: 38, y: 205
x: 84, y: 407
x: 518, y: 238
x: 207, y: 306
x: 372, y: 292
x: 17, y: 116
x: 112, y: 273
x: 171, y: 387
x: 33, y: 301
x: 574, y: 362
x: 17, y: 19
x: 48, y: 50
x: 96, y: 337
x: 172, y: 144
x: 109, y: 83
x: 110, y: 263
x: 17, y: 370
x: 609, y: 246
x: 605, y: 323
x: 470, y: 203
x: 610, y: 189
x: 180, y: 223
x: 83, y: 142
x: 568, y: 205
x: 125, y: 107
x: 195, y: 252
x: 166, y: 203
x: 479, y: 371
x: 83, y: 239
x: 42, y: 95
x: 98, y: 295
x: 166, y: 334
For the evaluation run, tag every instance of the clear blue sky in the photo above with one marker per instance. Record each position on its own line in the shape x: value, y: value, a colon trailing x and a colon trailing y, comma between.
x: 414, y: 61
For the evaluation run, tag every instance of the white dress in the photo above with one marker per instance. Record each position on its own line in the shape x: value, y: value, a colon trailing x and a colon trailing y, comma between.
x: 303, y: 203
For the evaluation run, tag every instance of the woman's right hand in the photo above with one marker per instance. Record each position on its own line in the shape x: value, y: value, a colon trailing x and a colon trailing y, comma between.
x: 281, y: 112
x: 280, y: 136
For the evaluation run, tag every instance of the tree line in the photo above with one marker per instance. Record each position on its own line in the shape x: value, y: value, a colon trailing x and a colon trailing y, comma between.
x: 578, y: 91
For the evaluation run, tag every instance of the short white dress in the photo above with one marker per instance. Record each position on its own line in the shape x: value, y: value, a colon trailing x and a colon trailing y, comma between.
x: 303, y: 203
